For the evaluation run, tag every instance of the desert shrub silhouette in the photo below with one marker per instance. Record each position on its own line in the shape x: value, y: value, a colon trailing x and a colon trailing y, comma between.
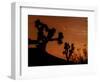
x: 75, y: 55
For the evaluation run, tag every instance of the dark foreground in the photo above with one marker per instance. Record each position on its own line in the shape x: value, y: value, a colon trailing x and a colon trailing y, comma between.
x: 37, y: 57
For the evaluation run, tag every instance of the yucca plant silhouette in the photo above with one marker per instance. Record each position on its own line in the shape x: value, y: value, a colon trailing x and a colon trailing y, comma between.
x: 43, y: 39
x: 68, y: 51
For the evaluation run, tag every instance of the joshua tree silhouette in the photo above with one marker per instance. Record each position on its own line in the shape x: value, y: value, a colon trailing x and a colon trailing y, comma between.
x: 66, y: 47
x: 43, y: 39
x: 69, y: 49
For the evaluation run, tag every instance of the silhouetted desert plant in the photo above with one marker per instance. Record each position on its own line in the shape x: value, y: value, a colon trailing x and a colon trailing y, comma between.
x: 43, y: 39
x: 75, y: 55
x: 68, y: 51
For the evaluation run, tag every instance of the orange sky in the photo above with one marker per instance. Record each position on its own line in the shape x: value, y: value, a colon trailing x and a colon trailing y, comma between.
x: 74, y: 30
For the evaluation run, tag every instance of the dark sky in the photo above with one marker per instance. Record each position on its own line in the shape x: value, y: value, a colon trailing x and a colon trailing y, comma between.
x: 74, y: 30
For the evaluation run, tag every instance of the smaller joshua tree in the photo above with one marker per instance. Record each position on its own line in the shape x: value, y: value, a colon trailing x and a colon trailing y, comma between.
x: 42, y: 38
x: 68, y: 50
x: 71, y: 50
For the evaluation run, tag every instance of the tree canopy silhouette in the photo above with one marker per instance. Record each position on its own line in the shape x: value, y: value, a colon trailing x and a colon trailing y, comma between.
x: 42, y: 38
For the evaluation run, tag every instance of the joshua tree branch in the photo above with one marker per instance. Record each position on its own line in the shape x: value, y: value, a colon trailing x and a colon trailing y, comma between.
x: 53, y: 39
x: 32, y: 41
